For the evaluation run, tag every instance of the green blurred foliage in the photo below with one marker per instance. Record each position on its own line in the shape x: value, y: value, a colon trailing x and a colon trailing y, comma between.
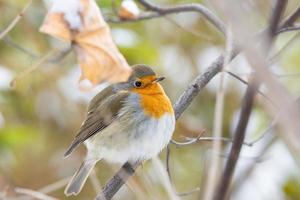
x: 291, y: 188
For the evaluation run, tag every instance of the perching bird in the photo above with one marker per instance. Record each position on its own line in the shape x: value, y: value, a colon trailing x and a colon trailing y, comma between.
x: 128, y: 121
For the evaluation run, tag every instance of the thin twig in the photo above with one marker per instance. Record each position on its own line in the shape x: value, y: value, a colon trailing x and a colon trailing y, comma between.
x: 206, y: 139
x: 246, y: 83
x: 52, y: 56
x: 193, y: 7
x: 198, y: 84
x: 275, y: 18
x: 35, y: 194
x: 247, y: 172
x: 160, y: 11
x: 116, y: 182
x: 55, y: 186
x: 48, y: 188
x: 192, y: 32
x: 168, y: 155
x: 288, y: 29
x: 277, y: 54
x: 246, y: 109
x: 9, y: 41
x: 183, y: 194
x: 214, y: 172
x: 192, y: 141
x: 127, y: 170
x: 15, y: 21
x: 33, y: 67
x: 239, y: 136
x: 290, y: 20
x: 268, y: 130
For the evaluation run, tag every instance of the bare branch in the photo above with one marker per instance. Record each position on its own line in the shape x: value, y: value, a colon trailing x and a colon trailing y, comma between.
x: 35, y: 194
x: 267, y: 144
x: 116, y: 182
x: 276, y: 16
x: 246, y: 110
x: 206, y: 139
x: 198, y: 84
x: 289, y: 28
x: 15, y: 21
x: 246, y: 83
x: 9, y: 41
x: 212, y: 18
x: 159, y: 11
x: 183, y: 194
x: 53, y: 56
x: 239, y: 136
x: 168, y: 155
x: 290, y: 20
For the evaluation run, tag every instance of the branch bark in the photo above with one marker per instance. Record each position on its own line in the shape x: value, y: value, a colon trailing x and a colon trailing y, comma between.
x: 127, y: 170
x: 247, y: 104
x: 290, y: 20
x: 192, y: 7
x: 239, y: 136
x: 160, y: 11
x: 15, y: 21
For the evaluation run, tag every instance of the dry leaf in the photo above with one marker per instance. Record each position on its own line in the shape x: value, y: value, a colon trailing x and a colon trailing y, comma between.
x: 128, y: 10
x: 81, y: 22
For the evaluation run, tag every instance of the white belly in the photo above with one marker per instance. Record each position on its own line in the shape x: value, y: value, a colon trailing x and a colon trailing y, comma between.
x: 132, y: 139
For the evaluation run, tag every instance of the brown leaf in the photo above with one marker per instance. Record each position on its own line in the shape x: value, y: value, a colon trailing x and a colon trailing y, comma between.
x: 97, y: 54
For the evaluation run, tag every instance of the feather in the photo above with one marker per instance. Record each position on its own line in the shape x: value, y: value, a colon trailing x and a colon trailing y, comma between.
x: 102, y: 111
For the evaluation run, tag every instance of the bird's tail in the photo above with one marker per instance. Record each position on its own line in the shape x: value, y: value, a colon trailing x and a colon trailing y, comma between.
x: 79, y: 178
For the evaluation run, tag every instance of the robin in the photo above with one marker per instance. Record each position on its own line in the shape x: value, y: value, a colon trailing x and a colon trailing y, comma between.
x: 126, y: 122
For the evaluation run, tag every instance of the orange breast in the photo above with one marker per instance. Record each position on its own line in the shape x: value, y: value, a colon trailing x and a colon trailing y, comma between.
x: 154, y: 101
x: 156, y: 105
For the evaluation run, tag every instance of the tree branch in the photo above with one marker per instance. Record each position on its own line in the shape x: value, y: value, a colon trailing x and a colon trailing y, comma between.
x: 288, y: 29
x: 238, y: 139
x: 15, y: 21
x: 247, y: 104
x: 117, y: 181
x: 290, y: 20
x: 193, y: 7
x: 127, y: 170
x: 160, y: 11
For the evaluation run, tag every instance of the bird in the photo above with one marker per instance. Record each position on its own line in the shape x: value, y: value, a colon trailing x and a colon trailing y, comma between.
x: 126, y: 122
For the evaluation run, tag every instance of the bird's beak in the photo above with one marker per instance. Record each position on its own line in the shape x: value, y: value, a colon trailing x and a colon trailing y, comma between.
x: 159, y: 79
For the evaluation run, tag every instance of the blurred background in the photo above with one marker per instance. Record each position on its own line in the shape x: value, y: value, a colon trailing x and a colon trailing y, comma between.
x: 43, y: 110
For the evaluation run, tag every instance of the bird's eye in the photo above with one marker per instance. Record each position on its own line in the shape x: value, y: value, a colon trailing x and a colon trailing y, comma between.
x: 137, y: 84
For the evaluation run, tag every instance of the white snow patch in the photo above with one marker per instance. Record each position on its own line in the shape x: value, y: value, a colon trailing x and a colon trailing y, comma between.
x: 71, y: 10
x: 130, y: 6
x: 6, y: 77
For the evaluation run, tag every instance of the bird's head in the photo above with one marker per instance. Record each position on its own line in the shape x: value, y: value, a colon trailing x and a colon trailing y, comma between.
x: 143, y: 80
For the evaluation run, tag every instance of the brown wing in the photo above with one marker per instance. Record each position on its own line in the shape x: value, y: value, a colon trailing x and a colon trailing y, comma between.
x: 102, y: 111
